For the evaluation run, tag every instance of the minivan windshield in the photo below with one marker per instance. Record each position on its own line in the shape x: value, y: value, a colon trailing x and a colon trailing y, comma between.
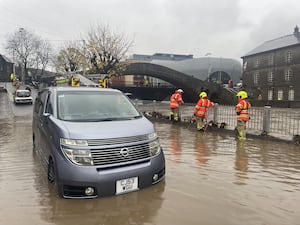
x: 95, y: 106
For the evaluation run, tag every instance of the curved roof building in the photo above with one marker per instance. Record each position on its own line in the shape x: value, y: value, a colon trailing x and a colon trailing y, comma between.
x: 215, y: 69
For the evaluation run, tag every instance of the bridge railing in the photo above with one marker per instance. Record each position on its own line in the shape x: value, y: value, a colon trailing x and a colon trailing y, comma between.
x: 283, y: 123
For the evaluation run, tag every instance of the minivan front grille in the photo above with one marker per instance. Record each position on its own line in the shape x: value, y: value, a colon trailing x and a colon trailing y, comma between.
x: 120, y: 154
x: 115, y: 141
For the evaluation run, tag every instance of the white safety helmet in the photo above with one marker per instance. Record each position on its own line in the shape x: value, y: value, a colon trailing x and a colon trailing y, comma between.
x: 180, y: 90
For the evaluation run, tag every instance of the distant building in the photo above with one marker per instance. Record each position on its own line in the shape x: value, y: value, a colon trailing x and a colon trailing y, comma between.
x: 140, y: 80
x: 6, y: 68
x: 272, y: 70
x: 160, y: 56
x: 213, y: 69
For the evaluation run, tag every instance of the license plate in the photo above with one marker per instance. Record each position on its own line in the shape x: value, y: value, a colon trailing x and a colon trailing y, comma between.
x: 126, y: 185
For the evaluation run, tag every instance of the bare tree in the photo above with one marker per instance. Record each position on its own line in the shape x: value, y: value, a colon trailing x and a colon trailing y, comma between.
x: 26, y: 47
x: 70, y: 58
x: 105, y: 50
x: 44, y: 54
x: 99, y: 52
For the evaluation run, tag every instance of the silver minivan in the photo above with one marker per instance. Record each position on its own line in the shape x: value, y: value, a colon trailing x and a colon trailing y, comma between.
x: 94, y: 142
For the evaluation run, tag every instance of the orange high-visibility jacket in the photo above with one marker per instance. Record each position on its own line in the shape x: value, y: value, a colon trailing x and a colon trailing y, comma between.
x: 202, y: 107
x: 242, y: 110
x: 175, y: 100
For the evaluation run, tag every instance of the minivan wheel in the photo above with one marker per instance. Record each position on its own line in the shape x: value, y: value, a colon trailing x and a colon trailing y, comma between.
x: 33, y: 143
x: 51, y: 171
x: 52, y: 178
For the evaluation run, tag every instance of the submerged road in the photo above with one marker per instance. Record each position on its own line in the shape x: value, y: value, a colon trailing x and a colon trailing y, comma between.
x: 211, y: 179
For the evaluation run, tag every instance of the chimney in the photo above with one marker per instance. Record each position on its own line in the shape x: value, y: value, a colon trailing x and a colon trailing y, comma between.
x: 296, y: 30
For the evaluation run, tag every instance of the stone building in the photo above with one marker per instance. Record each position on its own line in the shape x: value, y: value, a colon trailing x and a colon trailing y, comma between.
x: 271, y: 71
x: 6, y: 68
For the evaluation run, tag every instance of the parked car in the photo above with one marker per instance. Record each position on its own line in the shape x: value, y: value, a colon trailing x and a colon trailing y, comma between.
x: 2, y: 88
x: 22, y: 97
x: 35, y: 84
x: 239, y: 85
x: 94, y: 142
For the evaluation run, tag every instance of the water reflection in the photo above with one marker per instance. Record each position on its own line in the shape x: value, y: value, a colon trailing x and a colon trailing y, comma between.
x: 5, y: 130
x: 138, y: 207
x: 201, y: 150
x: 5, y: 134
x: 241, y: 163
x: 175, y: 143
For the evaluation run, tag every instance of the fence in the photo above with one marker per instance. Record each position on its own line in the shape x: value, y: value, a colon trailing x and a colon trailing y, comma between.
x: 276, y: 122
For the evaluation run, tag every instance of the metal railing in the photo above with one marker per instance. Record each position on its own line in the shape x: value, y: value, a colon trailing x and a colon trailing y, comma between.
x: 283, y: 123
x: 264, y: 120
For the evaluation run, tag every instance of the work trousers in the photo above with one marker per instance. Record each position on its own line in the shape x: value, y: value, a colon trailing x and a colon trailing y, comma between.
x: 174, y: 115
x: 241, y: 128
x: 200, y: 122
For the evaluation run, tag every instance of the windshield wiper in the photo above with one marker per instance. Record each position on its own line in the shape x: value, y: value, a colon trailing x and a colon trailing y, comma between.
x: 120, y: 118
x: 106, y: 119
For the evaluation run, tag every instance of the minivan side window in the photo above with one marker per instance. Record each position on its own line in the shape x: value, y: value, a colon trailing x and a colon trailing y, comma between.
x: 42, y: 98
x: 49, y: 108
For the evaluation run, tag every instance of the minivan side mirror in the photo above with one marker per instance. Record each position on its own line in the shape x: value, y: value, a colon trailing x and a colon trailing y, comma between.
x: 46, y: 114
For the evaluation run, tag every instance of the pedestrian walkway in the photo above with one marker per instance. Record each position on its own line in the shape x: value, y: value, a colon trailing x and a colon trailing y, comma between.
x: 10, y: 91
x: 5, y: 106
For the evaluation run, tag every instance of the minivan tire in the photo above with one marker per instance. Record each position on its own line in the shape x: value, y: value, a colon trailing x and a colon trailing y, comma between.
x: 51, y: 172
x: 52, y: 178
x: 33, y: 143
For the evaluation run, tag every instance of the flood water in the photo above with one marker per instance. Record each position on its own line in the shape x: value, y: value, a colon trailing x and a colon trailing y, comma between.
x: 211, y: 179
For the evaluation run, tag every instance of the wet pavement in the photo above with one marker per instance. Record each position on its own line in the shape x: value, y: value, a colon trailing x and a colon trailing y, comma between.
x: 211, y: 179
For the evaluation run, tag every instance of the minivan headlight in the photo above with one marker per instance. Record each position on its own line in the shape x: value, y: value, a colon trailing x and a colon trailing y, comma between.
x: 73, y: 142
x: 82, y: 157
x: 154, y: 147
x: 152, y: 136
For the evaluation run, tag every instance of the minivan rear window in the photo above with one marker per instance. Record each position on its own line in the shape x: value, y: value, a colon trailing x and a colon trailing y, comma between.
x: 95, y: 106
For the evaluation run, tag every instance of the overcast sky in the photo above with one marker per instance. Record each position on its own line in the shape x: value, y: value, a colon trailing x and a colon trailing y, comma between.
x: 224, y: 28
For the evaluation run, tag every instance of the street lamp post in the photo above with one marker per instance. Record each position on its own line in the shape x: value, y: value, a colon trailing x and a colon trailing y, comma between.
x: 14, y: 66
x: 209, y: 66
x: 220, y: 72
x: 208, y: 71
x: 84, y: 63
x: 22, y: 55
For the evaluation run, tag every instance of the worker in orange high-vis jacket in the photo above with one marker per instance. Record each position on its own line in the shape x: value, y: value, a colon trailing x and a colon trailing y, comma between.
x: 175, y: 102
x: 242, y: 113
x: 200, y: 110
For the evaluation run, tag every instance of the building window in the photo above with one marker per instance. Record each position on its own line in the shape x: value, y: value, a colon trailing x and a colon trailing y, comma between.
x: 256, y: 63
x: 289, y: 56
x: 270, y: 94
x: 256, y: 78
x: 245, y: 66
x: 291, y: 95
x: 280, y: 95
x: 271, y: 59
x: 271, y: 76
x: 288, y: 75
